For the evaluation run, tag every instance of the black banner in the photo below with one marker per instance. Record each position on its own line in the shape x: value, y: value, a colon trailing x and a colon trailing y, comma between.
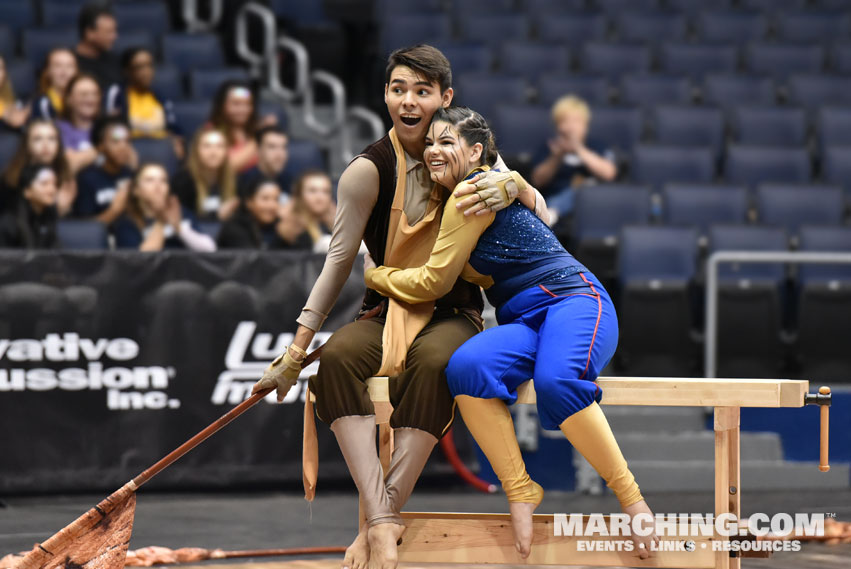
x: 109, y: 361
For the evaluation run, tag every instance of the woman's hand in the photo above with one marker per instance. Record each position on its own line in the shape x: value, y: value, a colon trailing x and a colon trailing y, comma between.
x: 488, y: 192
x: 172, y: 214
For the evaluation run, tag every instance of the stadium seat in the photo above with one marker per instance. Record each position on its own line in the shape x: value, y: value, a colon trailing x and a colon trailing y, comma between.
x: 468, y: 58
x: 819, y: 238
x: 689, y: 126
x: 159, y: 150
x: 7, y: 42
x: 394, y: 8
x: 656, y: 266
x: 813, y: 91
x: 494, y: 29
x: 731, y: 27
x: 56, y: 14
x: 791, y: 206
x: 778, y: 126
x: 729, y: 90
x: 833, y: 126
x: 210, y: 228
x: 571, y: 29
x: 147, y: 15
x: 301, y: 13
x: 521, y: 130
x: 168, y: 81
x: 17, y: 15
x: 471, y: 9
x: 692, y: 7
x: 770, y: 6
x: 749, y: 238
x: 136, y: 38
x: 592, y: 88
x: 651, y: 90
x: 192, y: 51
x: 836, y: 166
x: 552, y: 6
x: 702, y: 206
x: 616, y: 126
x: 534, y: 59
x: 657, y: 165
x: 81, y: 234
x: 613, y: 7
x: 408, y: 29
x: 304, y: 155
x: 697, y: 60
x: 811, y: 26
x: 840, y: 57
x: 752, y: 165
x: 37, y: 42
x: 22, y: 73
x: 482, y: 92
x: 8, y: 145
x: 203, y: 83
x: 781, y: 60
x: 651, y: 27
x: 615, y: 60
x: 191, y: 115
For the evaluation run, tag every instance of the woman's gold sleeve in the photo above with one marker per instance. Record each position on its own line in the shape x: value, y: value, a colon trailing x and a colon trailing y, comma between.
x: 455, y: 242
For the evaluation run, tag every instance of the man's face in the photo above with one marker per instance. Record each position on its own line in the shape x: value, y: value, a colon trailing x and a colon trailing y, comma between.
x: 104, y: 33
x: 411, y: 101
x: 573, y: 127
x: 116, y: 145
x: 274, y: 152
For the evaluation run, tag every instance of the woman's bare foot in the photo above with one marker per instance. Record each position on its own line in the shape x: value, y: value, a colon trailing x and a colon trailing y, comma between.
x: 521, y: 521
x: 645, y: 545
x: 382, y: 545
x: 357, y: 554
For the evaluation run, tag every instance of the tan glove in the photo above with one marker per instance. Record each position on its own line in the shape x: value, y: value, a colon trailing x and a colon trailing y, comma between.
x: 282, y: 373
x: 493, y: 191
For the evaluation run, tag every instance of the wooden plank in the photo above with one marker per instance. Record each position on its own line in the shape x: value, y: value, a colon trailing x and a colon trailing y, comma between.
x: 726, y: 425
x: 488, y: 539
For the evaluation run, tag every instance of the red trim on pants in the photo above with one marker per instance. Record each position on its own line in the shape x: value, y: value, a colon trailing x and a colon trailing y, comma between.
x: 596, y: 325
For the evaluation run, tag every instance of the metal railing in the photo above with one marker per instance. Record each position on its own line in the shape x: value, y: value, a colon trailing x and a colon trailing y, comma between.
x: 711, y: 339
x: 194, y: 22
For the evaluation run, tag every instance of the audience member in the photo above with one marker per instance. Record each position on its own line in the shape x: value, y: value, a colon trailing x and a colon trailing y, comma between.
x: 98, y: 31
x: 568, y: 160
x: 272, y: 156
x: 31, y: 224
x: 60, y: 66
x: 307, y: 219
x: 41, y: 144
x: 207, y: 185
x: 103, y: 187
x: 12, y: 115
x: 253, y: 225
x: 154, y: 219
x: 80, y: 109
x: 149, y: 114
x: 235, y: 114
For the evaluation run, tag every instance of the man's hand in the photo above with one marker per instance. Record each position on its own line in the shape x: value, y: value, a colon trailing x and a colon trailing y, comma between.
x: 282, y: 373
x: 489, y: 191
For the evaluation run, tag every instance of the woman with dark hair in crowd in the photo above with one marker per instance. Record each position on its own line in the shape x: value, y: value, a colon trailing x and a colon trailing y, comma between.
x: 12, y: 115
x: 31, y: 224
x: 81, y: 107
x: 235, y: 114
x: 41, y: 144
x: 149, y: 113
x: 207, y: 185
x: 154, y: 219
x: 307, y: 219
x: 253, y: 225
x: 60, y: 66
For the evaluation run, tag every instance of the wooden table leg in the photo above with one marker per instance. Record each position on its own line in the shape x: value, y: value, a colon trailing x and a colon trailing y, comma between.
x: 727, y: 475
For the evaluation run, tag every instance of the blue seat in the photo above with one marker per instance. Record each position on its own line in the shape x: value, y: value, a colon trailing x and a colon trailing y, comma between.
x: 613, y: 7
x: 192, y: 51
x: 617, y: 126
x: 777, y: 126
x: 9, y: 142
x: 836, y: 166
x: 22, y: 73
x: 819, y: 238
x: 304, y: 155
x: 592, y: 88
x: 731, y: 27
x: 572, y: 29
x: 17, y: 15
x: 552, y: 6
x: 210, y: 228
x: 482, y: 92
x: 651, y: 90
x: 54, y: 14
x: 727, y: 90
x: 697, y: 60
x: 689, y: 126
x: 781, y: 60
x: 657, y: 165
x: 520, y: 130
x: 749, y: 238
x: 468, y: 58
x: 657, y: 253
x: 703, y: 206
x: 276, y: 109
x: 692, y: 7
x: 653, y: 27
x: 168, y: 81
x: 203, y: 83
x: 791, y: 206
x: 147, y: 15
x: 833, y: 125
x: 811, y: 26
x: 409, y: 29
x: 81, y: 234
x: 494, y: 29
x: 615, y: 60
x: 752, y: 165
x: 471, y: 9
x: 190, y: 115
x: 393, y: 8
x: 601, y: 211
x: 771, y: 6
x: 136, y: 38
x: 158, y: 150
x: 840, y: 57
x: 813, y: 91
x: 534, y: 59
x: 37, y: 42
x: 7, y: 42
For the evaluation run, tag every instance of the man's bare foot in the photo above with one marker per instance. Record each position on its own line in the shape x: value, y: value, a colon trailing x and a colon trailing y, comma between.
x: 357, y: 554
x: 521, y: 522
x: 645, y: 545
x: 382, y: 545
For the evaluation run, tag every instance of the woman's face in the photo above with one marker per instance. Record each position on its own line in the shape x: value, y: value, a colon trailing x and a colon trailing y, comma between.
x: 141, y: 71
x: 84, y: 99
x: 42, y: 143
x: 239, y: 105
x: 42, y: 191
x: 263, y: 205
x: 61, y: 68
x: 212, y: 150
x: 316, y: 194
x: 151, y: 187
x: 447, y: 155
